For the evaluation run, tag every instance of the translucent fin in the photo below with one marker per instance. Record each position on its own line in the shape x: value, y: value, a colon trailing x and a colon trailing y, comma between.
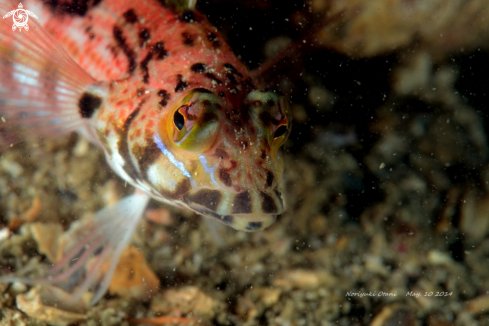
x: 93, y: 243
x: 215, y: 229
x: 40, y: 85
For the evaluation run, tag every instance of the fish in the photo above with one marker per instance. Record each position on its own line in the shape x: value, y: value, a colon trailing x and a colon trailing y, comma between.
x: 157, y: 88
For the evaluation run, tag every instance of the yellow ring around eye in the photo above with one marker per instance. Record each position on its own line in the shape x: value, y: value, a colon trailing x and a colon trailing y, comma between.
x: 193, y: 126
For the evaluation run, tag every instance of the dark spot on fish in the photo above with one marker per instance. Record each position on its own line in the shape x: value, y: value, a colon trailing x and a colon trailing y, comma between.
x: 88, y: 30
x: 271, y: 103
x: 88, y: 104
x: 208, y: 213
x: 266, y: 118
x: 212, y: 37
x: 242, y: 203
x: 214, y: 78
x: 208, y: 117
x: 238, y: 123
x: 144, y: 36
x: 221, y: 154
x: 166, y: 4
x: 270, y: 178
x: 121, y: 42
x: 159, y: 50
x: 80, y: 7
x: 144, y: 67
x: 252, y: 226
x: 140, y: 92
x: 229, y: 67
x: 163, y: 103
x: 181, y: 189
x: 146, y: 155
x: 181, y: 85
x: 123, y: 145
x: 188, y: 39
x: 198, y: 67
x: 188, y: 16
x: 225, y: 178
x: 163, y: 93
x: 165, y: 97
x: 232, y: 78
x: 206, y: 197
x: 228, y: 219
x: 268, y: 204
x: 130, y: 16
x: 263, y: 155
x: 279, y: 195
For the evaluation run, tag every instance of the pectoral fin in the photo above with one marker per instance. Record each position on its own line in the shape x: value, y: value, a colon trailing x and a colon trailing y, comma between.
x: 91, y: 244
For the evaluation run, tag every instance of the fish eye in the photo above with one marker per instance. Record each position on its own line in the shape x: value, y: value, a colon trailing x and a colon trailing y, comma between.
x: 281, y: 130
x: 271, y: 112
x: 194, y: 121
x: 178, y: 120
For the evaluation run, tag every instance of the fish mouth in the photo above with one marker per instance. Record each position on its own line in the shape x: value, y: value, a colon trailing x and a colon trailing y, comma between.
x: 249, y: 210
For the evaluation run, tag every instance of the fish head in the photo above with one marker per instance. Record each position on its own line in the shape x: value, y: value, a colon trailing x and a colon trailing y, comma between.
x: 229, y: 158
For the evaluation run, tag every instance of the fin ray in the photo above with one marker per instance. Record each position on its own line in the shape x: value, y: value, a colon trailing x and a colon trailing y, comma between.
x: 107, y: 234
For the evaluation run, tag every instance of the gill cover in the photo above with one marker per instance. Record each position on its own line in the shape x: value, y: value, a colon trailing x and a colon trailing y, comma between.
x: 192, y: 125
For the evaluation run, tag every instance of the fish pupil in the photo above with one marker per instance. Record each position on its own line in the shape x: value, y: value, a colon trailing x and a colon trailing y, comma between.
x: 282, y: 130
x: 178, y: 120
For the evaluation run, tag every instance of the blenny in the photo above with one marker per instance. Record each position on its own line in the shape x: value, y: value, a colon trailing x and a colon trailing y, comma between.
x: 156, y: 87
